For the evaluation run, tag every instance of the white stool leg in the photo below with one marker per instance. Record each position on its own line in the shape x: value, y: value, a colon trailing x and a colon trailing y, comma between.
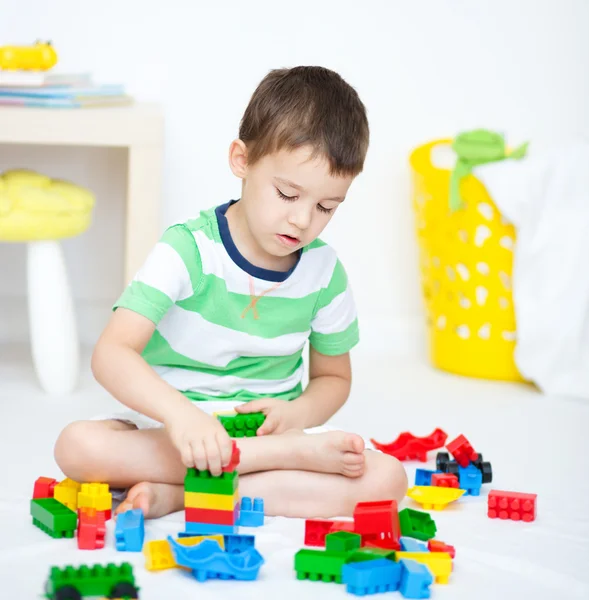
x: 54, y: 338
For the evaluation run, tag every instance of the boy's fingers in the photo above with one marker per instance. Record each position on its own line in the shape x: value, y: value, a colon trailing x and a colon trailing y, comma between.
x: 268, y: 426
x: 213, y: 453
x: 226, y: 448
x: 253, y: 406
x: 199, y: 455
x: 186, y: 456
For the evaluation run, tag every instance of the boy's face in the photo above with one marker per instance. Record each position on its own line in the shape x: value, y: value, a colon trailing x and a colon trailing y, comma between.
x: 288, y: 199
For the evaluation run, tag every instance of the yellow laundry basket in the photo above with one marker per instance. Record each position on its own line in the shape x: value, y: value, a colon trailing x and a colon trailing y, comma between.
x: 466, y: 260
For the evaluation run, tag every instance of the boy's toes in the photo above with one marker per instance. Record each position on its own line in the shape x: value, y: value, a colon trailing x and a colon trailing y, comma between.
x: 353, y: 459
x: 354, y: 443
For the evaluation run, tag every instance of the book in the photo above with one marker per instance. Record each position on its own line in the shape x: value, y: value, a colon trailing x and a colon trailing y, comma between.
x: 81, y: 102
x: 42, y: 79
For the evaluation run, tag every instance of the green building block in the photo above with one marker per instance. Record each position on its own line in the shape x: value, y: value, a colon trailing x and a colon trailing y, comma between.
x: 342, y: 541
x: 320, y: 565
x: 417, y: 524
x: 205, y: 483
x: 111, y: 581
x: 363, y: 554
x: 53, y: 517
x: 242, y: 425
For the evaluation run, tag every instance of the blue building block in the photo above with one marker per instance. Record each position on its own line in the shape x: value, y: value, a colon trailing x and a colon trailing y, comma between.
x: 193, y: 528
x: 410, y: 545
x: 234, y: 544
x: 251, y: 515
x: 471, y: 479
x: 415, y: 579
x: 208, y: 561
x: 371, y: 576
x: 424, y: 476
x: 130, y: 531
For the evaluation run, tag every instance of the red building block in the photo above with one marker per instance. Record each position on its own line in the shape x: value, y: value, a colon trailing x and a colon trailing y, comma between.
x: 343, y: 526
x: 408, y: 447
x: 462, y: 451
x: 511, y: 505
x: 316, y: 530
x: 211, y: 515
x: 445, y: 480
x: 235, y: 457
x: 378, y: 523
x: 44, y: 487
x: 91, y: 529
x: 439, y: 546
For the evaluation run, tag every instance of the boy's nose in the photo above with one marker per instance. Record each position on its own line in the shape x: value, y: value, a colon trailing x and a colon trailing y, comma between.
x: 300, y: 218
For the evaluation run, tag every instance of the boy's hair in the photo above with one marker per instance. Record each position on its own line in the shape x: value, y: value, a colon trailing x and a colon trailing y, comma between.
x: 307, y: 106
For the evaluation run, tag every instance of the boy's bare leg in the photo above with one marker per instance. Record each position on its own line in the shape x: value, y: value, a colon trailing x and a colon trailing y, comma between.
x: 296, y: 474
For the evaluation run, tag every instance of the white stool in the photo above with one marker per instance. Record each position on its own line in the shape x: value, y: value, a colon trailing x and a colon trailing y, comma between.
x: 54, y: 337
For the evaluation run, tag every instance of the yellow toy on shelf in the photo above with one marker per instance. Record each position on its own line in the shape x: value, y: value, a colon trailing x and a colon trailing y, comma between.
x: 41, y: 56
x: 433, y: 497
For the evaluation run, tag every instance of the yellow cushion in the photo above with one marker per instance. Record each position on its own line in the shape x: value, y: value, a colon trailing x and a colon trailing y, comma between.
x: 35, y: 207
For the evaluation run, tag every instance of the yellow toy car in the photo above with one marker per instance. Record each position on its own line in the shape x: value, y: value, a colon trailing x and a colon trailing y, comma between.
x: 41, y: 56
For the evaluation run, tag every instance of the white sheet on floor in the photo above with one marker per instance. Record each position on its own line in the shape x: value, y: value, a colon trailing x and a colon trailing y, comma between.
x: 546, y: 197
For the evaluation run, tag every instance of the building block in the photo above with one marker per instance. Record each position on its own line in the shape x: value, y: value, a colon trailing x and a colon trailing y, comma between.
x: 515, y: 506
x: 342, y: 541
x: 251, y: 515
x: 159, y: 556
x: 436, y: 498
x: 462, y: 451
x: 207, y: 560
x: 439, y: 546
x: 91, y: 529
x: 410, y: 545
x: 66, y: 492
x: 53, y: 517
x: 234, y: 460
x: 373, y: 577
x: 194, y: 528
x: 238, y: 425
x: 316, y: 530
x: 367, y: 553
x: 95, y: 495
x: 319, y: 565
x: 111, y: 581
x: 378, y: 523
x: 130, y: 531
x: 234, y: 544
x: 44, y: 487
x: 343, y: 526
x: 424, y: 476
x: 415, y: 580
x: 204, y: 483
x: 439, y: 563
x: 211, y: 501
x: 417, y: 524
x: 471, y: 479
x: 208, y: 515
x: 407, y: 446
x: 444, y: 480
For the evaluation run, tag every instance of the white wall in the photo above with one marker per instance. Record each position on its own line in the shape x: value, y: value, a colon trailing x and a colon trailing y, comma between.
x: 423, y: 69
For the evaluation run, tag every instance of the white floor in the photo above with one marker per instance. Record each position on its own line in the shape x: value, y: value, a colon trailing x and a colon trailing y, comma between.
x: 536, y: 444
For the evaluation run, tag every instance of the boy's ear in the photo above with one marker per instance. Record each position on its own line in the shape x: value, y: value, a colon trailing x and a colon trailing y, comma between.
x: 238, y: 158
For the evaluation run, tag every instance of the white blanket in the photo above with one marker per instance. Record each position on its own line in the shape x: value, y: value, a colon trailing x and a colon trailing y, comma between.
x: 546, y: 197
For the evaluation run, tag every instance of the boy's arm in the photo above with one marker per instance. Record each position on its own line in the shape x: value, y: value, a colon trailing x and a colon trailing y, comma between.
x: 118, y: 366
x: 330, y: 380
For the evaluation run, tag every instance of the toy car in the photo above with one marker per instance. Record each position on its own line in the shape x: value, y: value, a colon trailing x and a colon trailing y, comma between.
x: 444, y: 464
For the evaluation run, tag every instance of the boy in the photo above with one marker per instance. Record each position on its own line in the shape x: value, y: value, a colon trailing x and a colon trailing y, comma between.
x: 218, y: 317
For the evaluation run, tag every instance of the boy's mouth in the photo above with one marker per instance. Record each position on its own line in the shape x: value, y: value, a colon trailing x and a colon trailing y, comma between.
x: 288, y: 240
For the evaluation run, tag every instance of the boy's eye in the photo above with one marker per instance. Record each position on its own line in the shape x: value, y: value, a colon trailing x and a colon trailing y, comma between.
x: 285, y: 197
x: 323, y: 209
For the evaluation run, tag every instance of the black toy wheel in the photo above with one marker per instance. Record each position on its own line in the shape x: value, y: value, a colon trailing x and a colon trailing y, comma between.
x: 478, y: 462
x: 442, y: 460
x: 124, y: 590
x: 452, y: 469
x: 68, y: 592
x: 487, y: 472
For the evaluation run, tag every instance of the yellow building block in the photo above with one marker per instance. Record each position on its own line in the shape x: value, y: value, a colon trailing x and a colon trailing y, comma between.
x: 433, y: 497
x: 95, y: 495
x: 66, y: 492
x: 211, y: 501
x: 159, y: 556
x: 224, y: 413
x: 439, y: 563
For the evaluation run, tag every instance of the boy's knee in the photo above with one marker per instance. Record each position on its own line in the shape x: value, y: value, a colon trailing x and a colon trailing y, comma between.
x: 388, y: 479
x: 76, y: 448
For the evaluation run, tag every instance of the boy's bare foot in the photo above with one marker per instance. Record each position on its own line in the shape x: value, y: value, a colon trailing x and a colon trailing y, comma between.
x: 154, y: 499
x: 330, y: 452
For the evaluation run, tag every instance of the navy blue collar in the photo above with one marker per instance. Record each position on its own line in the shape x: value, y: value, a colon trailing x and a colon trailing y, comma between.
x: 238, y: 258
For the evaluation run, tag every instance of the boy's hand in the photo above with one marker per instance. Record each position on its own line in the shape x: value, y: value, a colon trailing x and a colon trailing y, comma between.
x: 201, y: 439
x: 280, y: 415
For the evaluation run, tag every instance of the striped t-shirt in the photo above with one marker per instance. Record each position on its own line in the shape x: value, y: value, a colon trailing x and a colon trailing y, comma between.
x: 228, y: 330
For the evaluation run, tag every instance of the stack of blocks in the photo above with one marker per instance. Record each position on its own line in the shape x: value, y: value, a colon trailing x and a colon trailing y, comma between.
x: 212, y: 503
